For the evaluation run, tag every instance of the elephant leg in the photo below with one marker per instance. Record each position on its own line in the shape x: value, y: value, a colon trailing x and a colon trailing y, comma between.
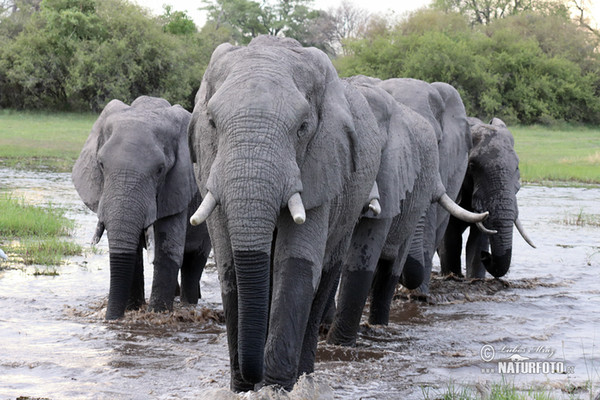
x: 191, y: 272
x: 382, y: 292
x: 323, y: 302
x: 137, y: 297
x: 330, y: 308
x: 384, y: 284
x: 415, y: 269
x: 451, y: 248
x: 297, y: 269
x: 368, y: 240
x: 476, y: 242
x: 170, y: 237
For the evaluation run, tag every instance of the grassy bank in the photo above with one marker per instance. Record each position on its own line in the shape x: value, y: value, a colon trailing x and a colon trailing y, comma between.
x: 564, y: 154
x: 34, y: 235
x: 53, y: 140
x: 33, y: 140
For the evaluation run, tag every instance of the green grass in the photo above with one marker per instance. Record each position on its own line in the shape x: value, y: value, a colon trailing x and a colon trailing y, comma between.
x: 34, y: 140
x: 505, y: 390
x: 35, y: 235
x: 566, y: 153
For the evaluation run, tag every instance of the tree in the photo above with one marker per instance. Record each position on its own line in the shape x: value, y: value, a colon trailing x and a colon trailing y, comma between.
x: 248, y: 19
x: 483, y: 12
x: 177, y: 22
x: 581, y: 10
x: 349, y: 22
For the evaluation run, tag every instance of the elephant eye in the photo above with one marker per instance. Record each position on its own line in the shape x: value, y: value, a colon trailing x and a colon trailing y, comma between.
x: 212, y: 123
x: 160, y: 170
x: 101, y: 165
x: 303, y: 128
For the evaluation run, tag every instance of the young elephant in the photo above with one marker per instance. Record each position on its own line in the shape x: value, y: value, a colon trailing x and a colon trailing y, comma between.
x: 491, y: 183
x: 409, y: 182
x: 135, y: 172
x: 288, y: 154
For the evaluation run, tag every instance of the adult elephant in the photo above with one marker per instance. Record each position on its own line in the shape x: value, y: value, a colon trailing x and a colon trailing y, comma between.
x: 409, y: 182
x: 491, y: 183
x: 287, y: 156
x: 441, y: 105
x: 136, y: 173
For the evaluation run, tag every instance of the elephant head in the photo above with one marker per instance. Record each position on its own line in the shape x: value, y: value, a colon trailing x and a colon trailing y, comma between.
x: 134, y: 169
x: 492, y: 180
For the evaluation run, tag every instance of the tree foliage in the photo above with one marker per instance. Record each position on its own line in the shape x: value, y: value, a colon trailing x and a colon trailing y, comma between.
x: 80, y: 54
x: 520, y: 68
x: 523, y: 60
x: 248, y: 19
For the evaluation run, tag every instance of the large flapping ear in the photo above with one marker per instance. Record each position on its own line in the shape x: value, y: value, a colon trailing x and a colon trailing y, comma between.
x: 456, y: 140
x: 202, y: 140
x: 179, y: 186
x: 331, y: 154
x: 400, y: 159
x: 87, y: 176
x: 454, y: 116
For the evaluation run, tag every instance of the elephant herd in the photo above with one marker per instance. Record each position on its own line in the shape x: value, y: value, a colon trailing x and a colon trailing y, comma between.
x: 313, y: 191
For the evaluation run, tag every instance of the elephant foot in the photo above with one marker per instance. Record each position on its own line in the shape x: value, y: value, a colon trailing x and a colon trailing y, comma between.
x: 159, y: 306
x: 134, y: 304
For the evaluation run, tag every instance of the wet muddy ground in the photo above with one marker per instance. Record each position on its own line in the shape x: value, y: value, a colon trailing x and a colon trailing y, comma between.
x: 545, y: 312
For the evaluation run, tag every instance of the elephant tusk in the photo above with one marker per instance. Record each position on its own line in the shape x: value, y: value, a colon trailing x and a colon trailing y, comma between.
x: 297, y: 208
x: 459, y: 212
x: 150, y: 248
x: 98, y: 233
x: 374, y: 200
x: 485, y: 230
x: 204, y: 210
x: 375, y: 206
x: 523, y: 233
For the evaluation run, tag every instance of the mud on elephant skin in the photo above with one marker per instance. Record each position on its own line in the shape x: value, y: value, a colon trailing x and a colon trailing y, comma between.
x: 491, y: 182
x: 409, y: 182
x: 136, y: 173
x: 288, y: 154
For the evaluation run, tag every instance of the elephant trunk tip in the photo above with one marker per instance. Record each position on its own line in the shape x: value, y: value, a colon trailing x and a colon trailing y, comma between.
x: 496, y: 265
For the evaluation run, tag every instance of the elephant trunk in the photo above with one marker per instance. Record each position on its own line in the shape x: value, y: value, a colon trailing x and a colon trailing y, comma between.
x: 125, y: 213
x: 252, y: 197
x: 498, y: 262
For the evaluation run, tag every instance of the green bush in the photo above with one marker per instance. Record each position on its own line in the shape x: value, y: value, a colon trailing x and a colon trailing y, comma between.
x: 520, y: 68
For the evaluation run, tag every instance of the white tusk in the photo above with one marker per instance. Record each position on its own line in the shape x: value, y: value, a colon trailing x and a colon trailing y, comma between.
x: 375, y: 206
x: 459, y: 212
x: 485, y: 230
x: 98, y: 233
x: 204, y: 210
x: 297, y: 208
x: 150, y: 248
x: 374, y: 199
x: 523, y: 233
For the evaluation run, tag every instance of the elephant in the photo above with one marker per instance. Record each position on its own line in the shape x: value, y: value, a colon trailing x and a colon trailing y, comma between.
x: 408, y: 182
x: 441, y: 105
x: 136, y: 173
x: 491, y: 182
x: 287, y: 158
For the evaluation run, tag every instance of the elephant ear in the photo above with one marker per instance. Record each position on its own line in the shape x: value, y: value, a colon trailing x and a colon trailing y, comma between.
x: 179, y: 186
x: 332, y: 155
x: 456, y: 139
x: 400, y: 161
x: 87, y: 176
x: 498, y: 122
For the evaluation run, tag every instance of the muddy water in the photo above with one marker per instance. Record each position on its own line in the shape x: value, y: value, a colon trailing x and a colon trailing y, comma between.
x: 54, y: 343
